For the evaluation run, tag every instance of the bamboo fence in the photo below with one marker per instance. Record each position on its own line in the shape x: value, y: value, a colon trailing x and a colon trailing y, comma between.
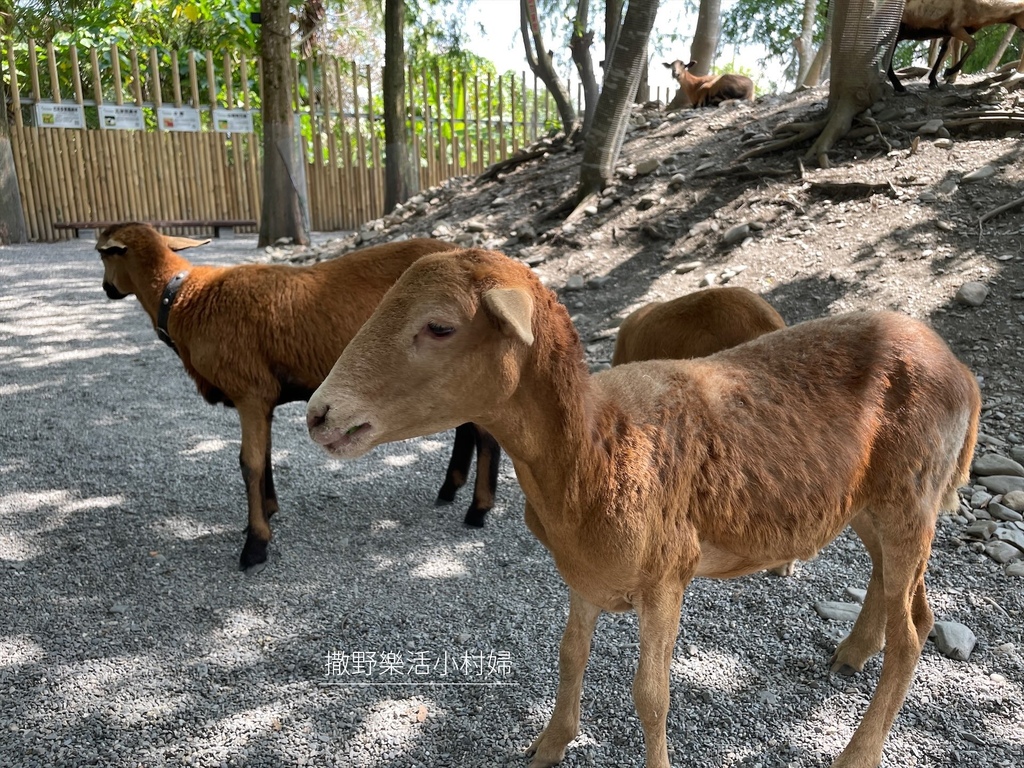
x: 460, y: 124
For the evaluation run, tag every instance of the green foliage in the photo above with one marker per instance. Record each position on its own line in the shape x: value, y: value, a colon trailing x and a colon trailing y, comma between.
x: 183, y: 24
x: 773, y: 24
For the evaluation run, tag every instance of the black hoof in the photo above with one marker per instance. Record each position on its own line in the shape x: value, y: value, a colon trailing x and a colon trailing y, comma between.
x: 475, y: 518
x: 446, y: 495
x: 253, y: 553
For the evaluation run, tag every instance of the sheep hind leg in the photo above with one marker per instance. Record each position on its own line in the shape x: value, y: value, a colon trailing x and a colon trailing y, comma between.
x: 458, y: 464
x: 573, y: 653
x: 270, y: 504
x: 960, y: 34
x: 253, y: 458
x: 658, y: 613
x: 868, y: 634
x: 488, y: 460
x: 908, y: 619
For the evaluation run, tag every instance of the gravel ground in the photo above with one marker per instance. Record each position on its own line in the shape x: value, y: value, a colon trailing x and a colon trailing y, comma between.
x: 128, y: 637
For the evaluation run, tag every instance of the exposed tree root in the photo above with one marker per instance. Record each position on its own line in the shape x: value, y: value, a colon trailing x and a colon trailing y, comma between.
x: 804, y: 132
x: 1018, y: 203
x: 577, y: 212
x: 520, y: 158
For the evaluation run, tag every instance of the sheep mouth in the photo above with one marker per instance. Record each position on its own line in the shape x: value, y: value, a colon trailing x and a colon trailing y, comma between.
x: 112, y: 292
x: 351, y: 443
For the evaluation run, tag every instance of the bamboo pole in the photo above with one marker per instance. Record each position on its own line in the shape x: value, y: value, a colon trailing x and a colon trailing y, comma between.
x: 479, y: 167
x: 33, y: 70
x: 136, y: 77
x: 115, y: 70
x: 428, y: 133
x: 51, y: 61
x: 490, y: 123
x: 453, y: 169
x: 360, y: 161
x: 346, y: 156
x: 333, y: 204
x: 378, y: 199
x: 76, y: 75
x: 501, y: 119
x: 465, y: 125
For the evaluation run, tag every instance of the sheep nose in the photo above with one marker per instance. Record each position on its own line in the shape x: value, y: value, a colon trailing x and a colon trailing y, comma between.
x: 316, y: 415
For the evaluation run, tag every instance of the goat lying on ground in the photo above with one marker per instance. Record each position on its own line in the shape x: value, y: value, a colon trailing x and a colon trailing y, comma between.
x: 697, y: 325
x: 707, y: 90
x: 932, y: 19
x: 256, y: 336
x: 644, y: 476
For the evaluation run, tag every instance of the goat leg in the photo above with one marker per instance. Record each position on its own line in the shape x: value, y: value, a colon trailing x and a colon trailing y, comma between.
x: 658, y: 613
x: 488, y: 460
x: 458, y: 465
x: 908, y: 619
x: 253, y: 458
x: 564, y: 725
x: 270, y: 505
x: 868, y: 634
x: 960, y: 34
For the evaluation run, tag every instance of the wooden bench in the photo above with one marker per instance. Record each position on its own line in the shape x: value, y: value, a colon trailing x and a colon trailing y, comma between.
x: 220, y: 227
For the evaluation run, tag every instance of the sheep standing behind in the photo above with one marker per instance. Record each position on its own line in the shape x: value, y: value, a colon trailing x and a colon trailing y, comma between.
x: 933, y: 19
x: 697, y: 325
x: 256, y: 336
x: 642, y: 477
x: 707, y: 90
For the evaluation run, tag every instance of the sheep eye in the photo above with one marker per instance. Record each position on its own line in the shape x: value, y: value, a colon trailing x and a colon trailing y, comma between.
x: 439, y: 331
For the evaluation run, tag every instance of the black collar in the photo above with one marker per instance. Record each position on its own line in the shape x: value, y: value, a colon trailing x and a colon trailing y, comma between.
x: 166, y: 302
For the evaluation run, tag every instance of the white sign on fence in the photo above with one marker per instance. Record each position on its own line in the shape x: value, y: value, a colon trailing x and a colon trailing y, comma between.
x: 232, y: 120
x: 123, y: 118
x: 50, y: 115
x: 178, y: 119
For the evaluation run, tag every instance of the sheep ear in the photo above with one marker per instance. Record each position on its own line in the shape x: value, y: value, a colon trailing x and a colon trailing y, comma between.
x: 669, y: 66
x: 691, y: 65
x: 111, y: 247
x: 181, y: 243
x: 514, y: 308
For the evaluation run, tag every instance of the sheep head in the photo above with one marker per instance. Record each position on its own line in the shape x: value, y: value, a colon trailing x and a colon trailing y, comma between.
x: 446, y: 345
x: 132, y: 254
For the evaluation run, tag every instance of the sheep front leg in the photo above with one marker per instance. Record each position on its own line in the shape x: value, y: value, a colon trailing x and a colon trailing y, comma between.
x: 658, y: 612
x: 564, y: 725
x: 458, y: 465
x: 253, y: 458
x: 270, y: 504
x: 488, y: 459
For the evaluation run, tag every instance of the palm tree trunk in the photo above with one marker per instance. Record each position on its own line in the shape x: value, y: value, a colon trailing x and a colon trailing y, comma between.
x: 284, y: 212
x: 862, y: 34
x: 603, y: 143
x: 705, y: 37
x: 401, y: 175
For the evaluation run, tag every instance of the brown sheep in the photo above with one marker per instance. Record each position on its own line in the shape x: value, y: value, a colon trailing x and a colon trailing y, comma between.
x: 707, y: 90
x: 640, y: 478
x: 257, y: 336
x: 946, y: 19
x: 697, y: 325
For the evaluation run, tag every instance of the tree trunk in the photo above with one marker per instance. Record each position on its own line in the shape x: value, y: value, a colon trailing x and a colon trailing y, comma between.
x: 12, y: 219
x: 821, y: 58
x: 579, y: 44
x: 705, y: 38
x: 993, y: 65
x: 805, y: 41
x: 539, y: 59
x: 284, y: 211
x: 401, y: 173
x: 612, y: 27
x: 863, y: 33
x: 643, y: 89
x: 603, y: 143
